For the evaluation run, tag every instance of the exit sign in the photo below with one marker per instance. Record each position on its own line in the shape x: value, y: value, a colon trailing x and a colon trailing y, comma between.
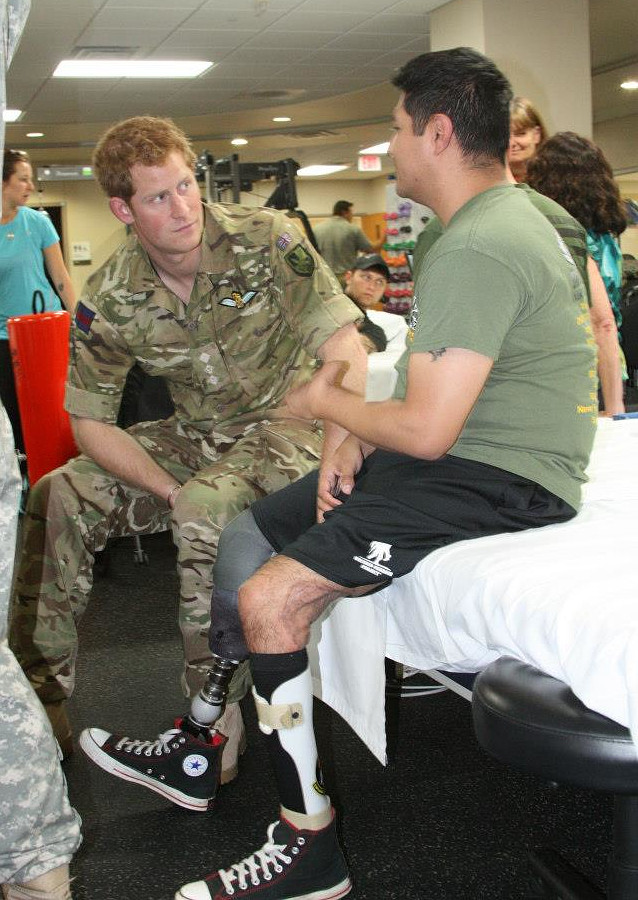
x: 369, y: 162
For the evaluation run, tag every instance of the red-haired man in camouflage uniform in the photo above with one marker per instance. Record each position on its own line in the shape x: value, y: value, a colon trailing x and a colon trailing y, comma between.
x: 232, y: 306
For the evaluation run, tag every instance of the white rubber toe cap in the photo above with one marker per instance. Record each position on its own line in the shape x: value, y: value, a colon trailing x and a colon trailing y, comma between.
x: 196, y: 890
x: 94, y: 736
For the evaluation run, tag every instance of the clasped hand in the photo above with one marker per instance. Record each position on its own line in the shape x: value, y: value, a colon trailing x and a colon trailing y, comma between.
x: 311, y: 400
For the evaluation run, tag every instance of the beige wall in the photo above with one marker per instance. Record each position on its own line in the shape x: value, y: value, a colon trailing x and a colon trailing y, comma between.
x: 86, y: 217
x: 317, y: 197
x: 539, y: 44
x: 543, y: 48
x: 629, y: 241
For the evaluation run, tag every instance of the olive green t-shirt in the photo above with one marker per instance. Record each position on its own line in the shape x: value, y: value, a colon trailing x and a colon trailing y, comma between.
x: 571, y: 231
x: 501, y: 282
x: 339, y: 242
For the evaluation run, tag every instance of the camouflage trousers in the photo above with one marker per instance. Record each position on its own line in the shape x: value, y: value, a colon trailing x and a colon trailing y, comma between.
x: 72, y: 512
x: 39, y: 830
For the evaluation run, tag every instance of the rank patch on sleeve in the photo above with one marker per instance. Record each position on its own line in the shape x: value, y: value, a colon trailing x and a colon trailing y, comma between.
x: 300, y: 261
x: 84, y: 317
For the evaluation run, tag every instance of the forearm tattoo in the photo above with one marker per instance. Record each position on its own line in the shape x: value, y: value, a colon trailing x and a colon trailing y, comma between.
x: 437, y: 354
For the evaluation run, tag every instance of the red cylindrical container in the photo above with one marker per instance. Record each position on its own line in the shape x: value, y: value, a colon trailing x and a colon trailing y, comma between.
x: 40, y: 354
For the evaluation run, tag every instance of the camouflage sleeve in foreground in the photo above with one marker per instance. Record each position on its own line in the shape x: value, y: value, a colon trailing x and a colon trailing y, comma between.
x: 9, y: 502
x: 39, y: 830
x: 312, y: 299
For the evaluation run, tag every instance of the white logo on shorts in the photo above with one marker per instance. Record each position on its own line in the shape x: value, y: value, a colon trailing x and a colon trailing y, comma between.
x: 378, y: 553
x: 195, y: 765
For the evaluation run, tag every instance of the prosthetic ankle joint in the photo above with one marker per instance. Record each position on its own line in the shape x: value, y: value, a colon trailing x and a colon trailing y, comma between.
x: 209, y: 704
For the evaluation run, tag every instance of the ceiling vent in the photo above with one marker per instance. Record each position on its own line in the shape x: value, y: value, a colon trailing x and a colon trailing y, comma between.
x: 310, y: 135
x: 103, y: 52
x: 274, y: 96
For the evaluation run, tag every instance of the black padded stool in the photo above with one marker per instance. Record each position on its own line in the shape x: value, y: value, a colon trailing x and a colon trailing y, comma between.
x: 534, y: 722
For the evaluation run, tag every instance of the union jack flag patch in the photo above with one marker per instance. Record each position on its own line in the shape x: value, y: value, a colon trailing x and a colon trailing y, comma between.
x: 283, y: 240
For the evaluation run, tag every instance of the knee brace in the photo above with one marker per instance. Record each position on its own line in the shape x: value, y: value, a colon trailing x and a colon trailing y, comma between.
x: 287, y: 721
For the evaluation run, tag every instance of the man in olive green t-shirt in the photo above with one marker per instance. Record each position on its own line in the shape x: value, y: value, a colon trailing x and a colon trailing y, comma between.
x: 340, y: 240
x: 489, y: 431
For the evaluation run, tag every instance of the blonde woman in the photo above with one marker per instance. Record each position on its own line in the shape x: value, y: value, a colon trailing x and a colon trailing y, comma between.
x: 527, y: 134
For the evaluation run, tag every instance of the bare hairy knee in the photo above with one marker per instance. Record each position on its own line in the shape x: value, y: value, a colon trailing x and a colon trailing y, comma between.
x: 278, y: 604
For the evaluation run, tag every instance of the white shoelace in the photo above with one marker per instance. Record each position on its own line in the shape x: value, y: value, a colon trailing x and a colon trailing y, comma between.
x: 159, y: 746
x: 258, y: 864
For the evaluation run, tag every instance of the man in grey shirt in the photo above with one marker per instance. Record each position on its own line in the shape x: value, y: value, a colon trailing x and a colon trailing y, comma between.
x: 340, y: 241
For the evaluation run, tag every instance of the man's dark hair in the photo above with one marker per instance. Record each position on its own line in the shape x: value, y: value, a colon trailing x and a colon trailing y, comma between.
x: 341, y: 207
x: 468, y: 88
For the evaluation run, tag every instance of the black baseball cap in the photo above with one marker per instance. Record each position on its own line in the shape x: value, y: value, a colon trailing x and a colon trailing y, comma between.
x: 373, y: 261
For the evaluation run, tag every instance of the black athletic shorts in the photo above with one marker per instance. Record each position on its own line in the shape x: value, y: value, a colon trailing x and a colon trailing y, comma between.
x: 401, y: 509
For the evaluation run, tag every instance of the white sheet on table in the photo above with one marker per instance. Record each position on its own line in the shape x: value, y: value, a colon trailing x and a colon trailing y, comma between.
x: 563, y: 598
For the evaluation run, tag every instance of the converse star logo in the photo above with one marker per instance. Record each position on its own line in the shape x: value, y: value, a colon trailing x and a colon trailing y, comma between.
x: 377, y: 554
x: 195, y: 765
x: 237, y: 300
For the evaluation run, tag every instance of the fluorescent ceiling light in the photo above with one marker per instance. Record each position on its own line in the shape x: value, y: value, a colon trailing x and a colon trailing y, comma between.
x: 281, y: 119
x: 131, y: 68
x: 630, y: 85
x: 378, y: 148
x: 320, y: 170
x: 11, y: 115
x: 239, y: 142
x: 35, y: 134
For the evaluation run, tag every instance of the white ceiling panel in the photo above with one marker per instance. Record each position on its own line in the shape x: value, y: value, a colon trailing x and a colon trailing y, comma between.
x: 183, y: 5
x: 360, y: 7
x: 391, y: 24
x: 414, y: 7
x: 311, y: 56
x: 134, y: 16
x: 252, y: 7
x: 63, y: 13
x: 187, y: 38
x: 314, y: 20
x: 241, y: 19
x: 376, y: 43
x: 269, y: 57
x: 143, y: 38
x: 287, y: 40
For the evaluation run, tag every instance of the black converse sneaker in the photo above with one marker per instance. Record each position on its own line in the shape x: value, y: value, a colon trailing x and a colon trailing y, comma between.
x: 178, y: 765
x: 293, y: 864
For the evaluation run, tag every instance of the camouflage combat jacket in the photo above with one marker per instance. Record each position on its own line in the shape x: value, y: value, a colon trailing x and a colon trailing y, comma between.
x: 262, y: 304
